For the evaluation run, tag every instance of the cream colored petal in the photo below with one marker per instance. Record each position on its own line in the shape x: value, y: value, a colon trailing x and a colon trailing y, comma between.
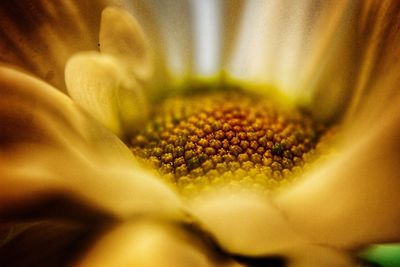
x: 208, y: 35
x: 149, y: 244
x: 147, y: 17
x: 245, y: 223
x: 99, y: 84
x: 49, y: 146
x: 304, y: 49
x: 40, y: 36
x: 122, y: 36
x: 353, y: 199
x: 176, y: 30
x: 233, y: 11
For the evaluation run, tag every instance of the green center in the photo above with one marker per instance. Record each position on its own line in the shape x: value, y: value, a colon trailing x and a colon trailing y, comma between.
x: 226, y: 138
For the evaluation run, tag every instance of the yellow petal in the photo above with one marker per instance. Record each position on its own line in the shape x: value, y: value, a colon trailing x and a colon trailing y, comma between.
x: 245, y: 223
x: 49, y: 146
x: 101, y: 85
x: 145, y: 243
x: 312, y: 255
x: 248, y: 224
x: 353, y: 199
x: 122, y: 36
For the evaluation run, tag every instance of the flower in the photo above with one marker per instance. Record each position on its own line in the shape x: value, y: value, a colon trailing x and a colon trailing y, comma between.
x: 69, y: 180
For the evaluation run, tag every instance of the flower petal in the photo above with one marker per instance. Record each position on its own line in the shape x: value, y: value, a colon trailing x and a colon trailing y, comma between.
x: 355, y: 196
x: 122, y: 36
x: 101, y: 86
x: 245, y: 223
x: 146, y: 243
x: 40, y: 36
x: 312, y: 255
x: 176, y: 32
x: 207, y: 35
x: 329, y: 77
x: 305, y: 49
x: 49, y: 146
x: 378, y: 74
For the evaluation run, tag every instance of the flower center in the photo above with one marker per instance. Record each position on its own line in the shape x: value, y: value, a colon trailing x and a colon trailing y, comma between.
x: 227, y: 138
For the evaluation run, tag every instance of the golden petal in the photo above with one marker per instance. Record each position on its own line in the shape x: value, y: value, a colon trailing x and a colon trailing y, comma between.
x: 353, y: 199
x: 313, y: 255
x: 49, y: 146
x: 378, y: 73
x: 245, y: 223
x: 145, y: 243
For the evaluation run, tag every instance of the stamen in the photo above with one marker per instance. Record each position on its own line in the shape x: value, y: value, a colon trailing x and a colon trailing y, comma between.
x: 215, y: 139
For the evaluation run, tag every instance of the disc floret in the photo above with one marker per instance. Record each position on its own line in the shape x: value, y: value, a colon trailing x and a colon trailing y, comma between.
x: 223, y: 138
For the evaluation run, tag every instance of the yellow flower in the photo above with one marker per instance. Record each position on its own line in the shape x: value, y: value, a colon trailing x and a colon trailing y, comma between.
x: 73, y: 193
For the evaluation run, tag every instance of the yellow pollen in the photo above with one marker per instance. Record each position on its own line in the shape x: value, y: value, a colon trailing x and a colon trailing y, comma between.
x: 213, y: 139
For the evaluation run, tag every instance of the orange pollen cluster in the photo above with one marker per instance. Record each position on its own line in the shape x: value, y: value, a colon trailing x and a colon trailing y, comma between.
x: 226, y: 136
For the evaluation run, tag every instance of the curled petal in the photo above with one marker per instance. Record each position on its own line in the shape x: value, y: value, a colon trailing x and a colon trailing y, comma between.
x: 353, y: 199
x: 101, y: 86
x: 49, y: 146
x: 147, y: 243
x: 122, y: 36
